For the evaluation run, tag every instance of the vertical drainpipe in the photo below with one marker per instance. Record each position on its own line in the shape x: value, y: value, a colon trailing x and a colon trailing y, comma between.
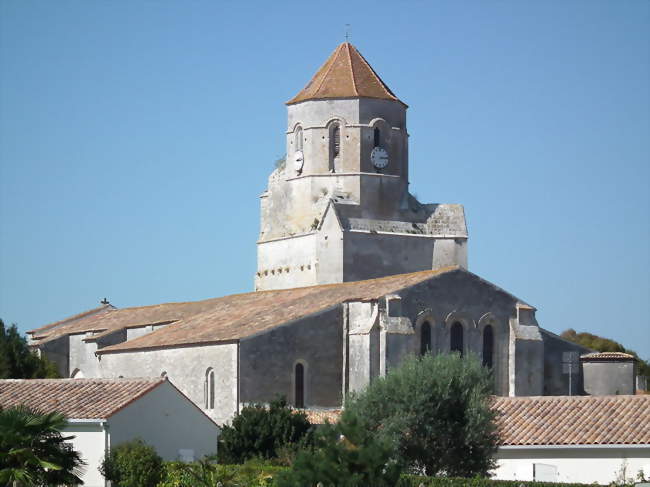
x: 107, y: 445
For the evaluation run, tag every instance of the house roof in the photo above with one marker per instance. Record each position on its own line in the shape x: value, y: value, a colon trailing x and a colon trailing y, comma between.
x: 76, y: 398
x: 243, y: 315
x: 607, y: 356
x: 574, y: 420
x: 345, y: 74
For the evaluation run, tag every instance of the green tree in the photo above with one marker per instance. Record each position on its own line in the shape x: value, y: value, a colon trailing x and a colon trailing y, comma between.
x: 436, y: 411
x: 133, y: 464
x: 17, y: 361
x: 33, y: 450
x: 263, y: 432
x: 344, y: 455
x: 603, y: 344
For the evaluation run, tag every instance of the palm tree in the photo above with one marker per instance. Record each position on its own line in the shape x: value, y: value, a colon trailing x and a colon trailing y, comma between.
x: 34, y: 452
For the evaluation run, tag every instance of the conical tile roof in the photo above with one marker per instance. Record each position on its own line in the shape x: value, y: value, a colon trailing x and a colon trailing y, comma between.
x: 345, y: 74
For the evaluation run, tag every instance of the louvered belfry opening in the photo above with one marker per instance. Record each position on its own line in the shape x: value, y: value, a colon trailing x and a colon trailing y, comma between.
x: 336, y: 141
x: 377, y: 135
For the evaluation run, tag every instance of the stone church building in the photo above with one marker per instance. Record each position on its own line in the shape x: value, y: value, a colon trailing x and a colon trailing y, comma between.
x: 353, y: 274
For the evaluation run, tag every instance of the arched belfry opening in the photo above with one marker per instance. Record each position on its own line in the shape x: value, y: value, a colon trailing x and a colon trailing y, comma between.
x: 335, y: 146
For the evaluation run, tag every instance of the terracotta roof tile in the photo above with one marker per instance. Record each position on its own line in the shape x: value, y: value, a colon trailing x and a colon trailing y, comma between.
x: 84, y: 314
x: 609, y: 356
x: 76, y: 398
x: 345, y: 74
x: 243, y: 315
x: 573, y: 420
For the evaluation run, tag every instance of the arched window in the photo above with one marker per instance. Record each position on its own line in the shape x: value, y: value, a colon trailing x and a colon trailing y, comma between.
x: 377, y: 134
x: 77, y: 374
x: 208, y: 388
x: 425, y: 338
x: 456, y: 342
x: 299, y: 397
x: 488, y: 346
x: 299, y: 138
x: 335, y: 144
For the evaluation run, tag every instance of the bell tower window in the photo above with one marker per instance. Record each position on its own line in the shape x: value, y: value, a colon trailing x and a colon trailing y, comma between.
x: 336, y: 141
x: 377, y: 137
x: 298, y: 144
x: 299, y: 392
x: 488, y: 346
x: 425, y: 337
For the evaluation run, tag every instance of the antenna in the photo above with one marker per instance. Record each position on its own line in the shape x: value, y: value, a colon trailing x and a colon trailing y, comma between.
x: 347, y: 32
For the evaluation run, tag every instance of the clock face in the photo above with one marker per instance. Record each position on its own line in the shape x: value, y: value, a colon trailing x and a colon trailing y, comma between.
x: 298, y: 160
x: 379, y: 157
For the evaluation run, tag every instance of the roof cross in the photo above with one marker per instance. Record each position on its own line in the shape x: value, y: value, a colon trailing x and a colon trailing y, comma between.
x: 347, y: 32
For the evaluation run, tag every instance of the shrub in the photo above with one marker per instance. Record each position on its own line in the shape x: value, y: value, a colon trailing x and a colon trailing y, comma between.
x: 208, y: 474
x: 132, y: 464
x: 436, y: 411
x: 344, y: 455
x: 263, y: 432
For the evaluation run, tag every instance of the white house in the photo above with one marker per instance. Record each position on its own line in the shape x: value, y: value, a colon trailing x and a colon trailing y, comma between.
x: 103, y: 413
x: 573, y: 438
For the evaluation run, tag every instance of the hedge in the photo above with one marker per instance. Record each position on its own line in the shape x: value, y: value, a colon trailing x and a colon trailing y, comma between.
x: 259, y: 474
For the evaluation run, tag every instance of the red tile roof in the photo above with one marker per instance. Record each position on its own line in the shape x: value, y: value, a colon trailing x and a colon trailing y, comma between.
x: 608, y: 356
x: 574, y: 420
x: 345, y: 74
x: 76, y: 398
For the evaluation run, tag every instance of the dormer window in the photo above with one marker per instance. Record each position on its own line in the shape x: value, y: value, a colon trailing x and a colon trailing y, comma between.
x: 377, y: 135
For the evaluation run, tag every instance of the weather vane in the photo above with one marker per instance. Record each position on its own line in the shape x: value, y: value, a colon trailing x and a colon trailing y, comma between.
x: 347, y: 32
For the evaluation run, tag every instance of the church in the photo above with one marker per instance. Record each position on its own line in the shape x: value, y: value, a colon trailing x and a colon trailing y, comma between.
x: 353, y: 274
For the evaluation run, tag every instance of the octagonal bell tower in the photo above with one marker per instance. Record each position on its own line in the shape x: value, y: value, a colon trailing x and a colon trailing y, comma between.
x: 339, y: 209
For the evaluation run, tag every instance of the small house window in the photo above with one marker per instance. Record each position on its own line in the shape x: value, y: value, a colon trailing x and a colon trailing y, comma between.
x: 456, y: 342
x: 299, y: 138
x: 299, y: 399
x: 209, y: 389
x: 488, y: 346
x: 377, y: 136
x: 425, y: 338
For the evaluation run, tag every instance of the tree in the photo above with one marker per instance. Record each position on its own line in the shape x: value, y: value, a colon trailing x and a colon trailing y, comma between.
x: 344, y: 455
x: 132, y: 464
x: 17, y: 361
x: 262, y: 432
x: 602, y: 344
x: 436, y: 411
x: 33, y: 450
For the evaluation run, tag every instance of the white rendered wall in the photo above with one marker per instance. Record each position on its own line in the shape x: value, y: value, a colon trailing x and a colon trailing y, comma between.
x: 583, y: 465
x: 186, y: 368
x: 169, y: 422
x: 89, y: 441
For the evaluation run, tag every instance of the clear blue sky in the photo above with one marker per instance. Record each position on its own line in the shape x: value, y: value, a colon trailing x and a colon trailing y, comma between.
x: 136, y: 137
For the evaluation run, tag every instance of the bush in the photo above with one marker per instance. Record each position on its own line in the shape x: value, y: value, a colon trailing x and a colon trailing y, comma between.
x: 417, y: 481
x: 132, y: 464
x: 208, y: 474
x: 260, y: 432
x: 344, y: 455
x: 436, y: 411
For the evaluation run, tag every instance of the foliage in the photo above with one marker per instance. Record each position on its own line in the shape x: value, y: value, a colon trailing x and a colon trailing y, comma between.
x: 206, y: 473
x: 436, y: 411
x: 262, y: 432
x: 602, y: 344
x: 33, y: 450
x: 17, y: 361
x: 132, y: 464
x: 345, y: 455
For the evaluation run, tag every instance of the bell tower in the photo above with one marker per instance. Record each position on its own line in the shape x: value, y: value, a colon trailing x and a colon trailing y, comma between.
x: 339, y: 209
